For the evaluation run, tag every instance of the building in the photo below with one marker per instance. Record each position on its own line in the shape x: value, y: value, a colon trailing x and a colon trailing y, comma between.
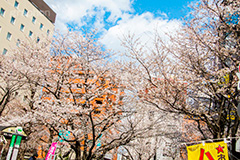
x: 24, y: 19
x: 78, y: 84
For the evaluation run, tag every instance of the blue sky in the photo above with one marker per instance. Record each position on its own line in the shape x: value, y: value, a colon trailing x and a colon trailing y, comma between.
x: 174, y: 9
x: 116, y: 18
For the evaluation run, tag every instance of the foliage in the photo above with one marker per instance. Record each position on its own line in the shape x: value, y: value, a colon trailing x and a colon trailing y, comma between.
x: 71, y: 89
x: 195, y: 73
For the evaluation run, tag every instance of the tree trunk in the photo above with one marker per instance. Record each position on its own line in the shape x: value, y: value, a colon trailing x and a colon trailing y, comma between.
x: 77, y: 150
x: 4, y: 101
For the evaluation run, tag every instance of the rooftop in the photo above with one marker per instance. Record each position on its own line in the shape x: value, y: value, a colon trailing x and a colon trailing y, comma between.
x: 45, y: 9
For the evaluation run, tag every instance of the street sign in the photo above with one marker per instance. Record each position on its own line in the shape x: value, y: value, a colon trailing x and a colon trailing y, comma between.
x: 51, y: 151
x: 19, y: 130
x: 17, y: 134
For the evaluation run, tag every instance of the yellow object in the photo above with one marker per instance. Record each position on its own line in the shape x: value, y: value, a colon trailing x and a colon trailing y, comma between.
x: 208, y: 151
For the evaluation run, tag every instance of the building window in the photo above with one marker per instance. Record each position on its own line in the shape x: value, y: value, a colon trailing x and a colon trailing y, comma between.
x: 48, y: 32
x: 4, y: 51
x: 9, y: 36
x: 12, y: 20
x: 30, y: 34
x: 97, y: 111
x: 34, y: 20
x: 99, y: 102
x: 22, y: 27
x: 2, y: 11
x: 18, y: 42
x: 25, y: 12
x: 16, y: 4
x: 38, y: 39
x: 41, y: 26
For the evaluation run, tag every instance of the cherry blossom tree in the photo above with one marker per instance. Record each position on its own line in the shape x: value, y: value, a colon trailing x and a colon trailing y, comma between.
x: 72, y: 95
x: 193, y: 72
x: 9, y: 86
x: 24, y: 67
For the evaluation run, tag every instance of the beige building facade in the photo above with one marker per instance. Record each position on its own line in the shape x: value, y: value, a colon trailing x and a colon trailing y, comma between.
x: 23, y: 20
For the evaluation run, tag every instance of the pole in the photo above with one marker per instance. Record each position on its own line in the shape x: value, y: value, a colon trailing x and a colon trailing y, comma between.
x: 11, y: 147
x: 16, y: 148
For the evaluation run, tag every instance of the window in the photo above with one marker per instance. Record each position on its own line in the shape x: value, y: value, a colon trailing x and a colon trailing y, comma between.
x: 41, y: 26
x: 79, y: 85
x: 18, y: 42
x: 12, y: 20
x: 98, y: 102
x: 22, y: 27
x: 38, y: 39
x: 25, y: 12
x: 34, y: 20
x: 97, y: 111
x: 4, y: 51
x: 30, y: 34
x: 2, y: 11
x: 16, y: 4
x: 9, y: 36
x: 48, y: 32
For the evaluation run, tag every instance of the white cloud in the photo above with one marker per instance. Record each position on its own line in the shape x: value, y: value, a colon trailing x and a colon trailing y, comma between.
x: 121, y: 14
x: 144, y: 26
x: 73, y: 11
